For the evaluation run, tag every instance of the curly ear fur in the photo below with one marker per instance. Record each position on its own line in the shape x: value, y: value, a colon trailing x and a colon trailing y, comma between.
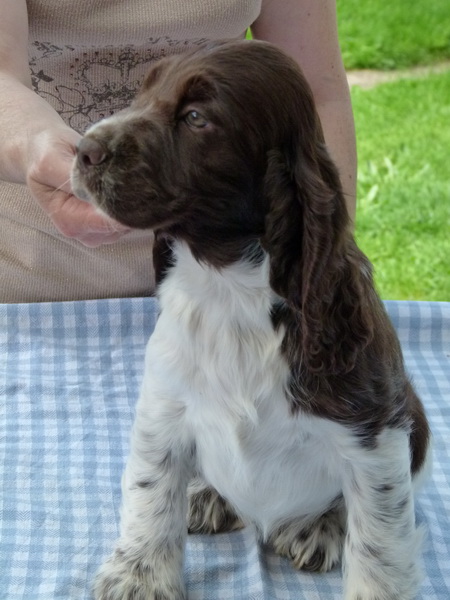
x: 315, y: 265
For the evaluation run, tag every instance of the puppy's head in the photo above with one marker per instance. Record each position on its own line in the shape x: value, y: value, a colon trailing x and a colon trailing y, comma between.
x: 191, y: 145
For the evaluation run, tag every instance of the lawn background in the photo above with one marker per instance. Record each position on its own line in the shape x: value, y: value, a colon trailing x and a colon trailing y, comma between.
x: 403, y: 135
x: 376, y: 34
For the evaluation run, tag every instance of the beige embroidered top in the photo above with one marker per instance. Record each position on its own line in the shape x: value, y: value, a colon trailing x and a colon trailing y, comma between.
x: 87, y: 59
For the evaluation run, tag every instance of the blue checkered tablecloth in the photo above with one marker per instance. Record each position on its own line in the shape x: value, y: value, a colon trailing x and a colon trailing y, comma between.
x: 69, y: 379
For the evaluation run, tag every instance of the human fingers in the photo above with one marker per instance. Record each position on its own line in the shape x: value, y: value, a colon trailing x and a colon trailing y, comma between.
x: 49, y: 182
x: 77, y: 219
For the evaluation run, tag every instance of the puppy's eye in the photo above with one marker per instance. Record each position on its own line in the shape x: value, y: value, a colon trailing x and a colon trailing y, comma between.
x: 195, y: 119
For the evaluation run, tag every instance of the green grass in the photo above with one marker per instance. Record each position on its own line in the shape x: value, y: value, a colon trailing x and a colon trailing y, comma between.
x: 376, y: 34
x: 403, y: 217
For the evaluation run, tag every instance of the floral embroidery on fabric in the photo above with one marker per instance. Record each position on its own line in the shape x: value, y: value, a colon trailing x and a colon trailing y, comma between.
x: 100, y: 81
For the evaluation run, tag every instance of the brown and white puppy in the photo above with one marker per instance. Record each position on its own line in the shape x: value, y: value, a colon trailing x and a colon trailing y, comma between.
x: 273, y: 373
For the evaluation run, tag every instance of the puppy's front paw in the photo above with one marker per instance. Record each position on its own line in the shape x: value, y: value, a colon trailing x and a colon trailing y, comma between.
x: 125, y: 579
x: 382, y: 582
x: 387, y: 570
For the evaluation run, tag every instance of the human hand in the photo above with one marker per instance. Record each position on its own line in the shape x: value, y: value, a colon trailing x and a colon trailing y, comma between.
x: 51, y: 154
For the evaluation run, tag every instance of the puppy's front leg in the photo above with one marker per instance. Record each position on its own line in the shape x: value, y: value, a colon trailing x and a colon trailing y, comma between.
x: 148, y: 560
x: 382, y: 543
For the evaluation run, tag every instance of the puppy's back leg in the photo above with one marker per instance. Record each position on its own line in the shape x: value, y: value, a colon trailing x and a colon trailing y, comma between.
x: 313, y: 543
x: 208, y: 511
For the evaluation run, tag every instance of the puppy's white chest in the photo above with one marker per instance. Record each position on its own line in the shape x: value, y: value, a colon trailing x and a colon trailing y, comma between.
x: 271, y: 467
x: 222, y: 358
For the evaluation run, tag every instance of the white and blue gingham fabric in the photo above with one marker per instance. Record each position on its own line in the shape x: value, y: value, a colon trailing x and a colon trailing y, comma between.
x: 69, y: 378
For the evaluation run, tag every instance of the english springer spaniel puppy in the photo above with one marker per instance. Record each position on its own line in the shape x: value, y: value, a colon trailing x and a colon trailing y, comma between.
x: 274, y: 387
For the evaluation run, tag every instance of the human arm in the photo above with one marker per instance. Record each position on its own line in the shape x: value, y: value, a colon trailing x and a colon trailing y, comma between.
x: 36, y: 146
x: 307, y: 31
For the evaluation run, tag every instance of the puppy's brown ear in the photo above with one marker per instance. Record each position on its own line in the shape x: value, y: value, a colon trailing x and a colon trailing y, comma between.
x: 315, y: 265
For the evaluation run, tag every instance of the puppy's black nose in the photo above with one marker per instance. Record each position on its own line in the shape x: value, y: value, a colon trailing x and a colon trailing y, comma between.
x: 90, y: 153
